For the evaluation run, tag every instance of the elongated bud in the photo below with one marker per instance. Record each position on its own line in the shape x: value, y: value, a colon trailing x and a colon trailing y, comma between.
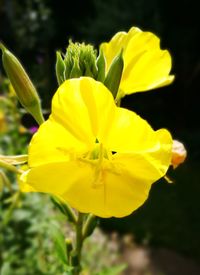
x: 101, y: 65
x: 60, y: 68
x: 15, y: 160
x: 90, y: 225
x: 9, y: 167
x: 22, y: 84
x: 114, y: 74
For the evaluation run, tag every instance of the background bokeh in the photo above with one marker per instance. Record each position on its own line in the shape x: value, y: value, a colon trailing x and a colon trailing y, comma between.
x: 35, y: 29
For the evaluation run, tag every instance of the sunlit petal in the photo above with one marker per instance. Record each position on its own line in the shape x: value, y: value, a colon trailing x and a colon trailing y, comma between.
x: 130, y: 133
x: 146, y: 66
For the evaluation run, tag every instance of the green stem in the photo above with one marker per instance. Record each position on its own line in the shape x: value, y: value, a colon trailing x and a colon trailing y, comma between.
x: 75, y: 255
x: 83, y: 230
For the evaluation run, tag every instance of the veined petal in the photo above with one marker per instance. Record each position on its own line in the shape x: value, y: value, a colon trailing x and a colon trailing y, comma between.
x: 69, y: 110
x: 72, y: 181
x: 53, y: 143
x: 82, y: 111
x: 150, y: 70
x: 118, y: 194
x: 146, y: 66
x: 84, y: 107
x: 118, y: 42
x: 130, y: 133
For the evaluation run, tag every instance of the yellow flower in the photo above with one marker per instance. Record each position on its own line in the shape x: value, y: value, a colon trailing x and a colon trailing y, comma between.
x: 146, y: 66
x: 98, y: 157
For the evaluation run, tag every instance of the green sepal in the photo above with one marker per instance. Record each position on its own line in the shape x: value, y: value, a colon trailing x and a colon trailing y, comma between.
x: 60, y: 68
x: 65, y: 209
x: 76, y: 71
x: 113, y: 77
x: 101, y: 66
x: 90, y: 225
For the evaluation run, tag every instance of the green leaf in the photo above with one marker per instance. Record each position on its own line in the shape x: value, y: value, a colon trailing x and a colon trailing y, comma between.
x: 59, y: 241
x: 6, y: 269
x: 116, y: 270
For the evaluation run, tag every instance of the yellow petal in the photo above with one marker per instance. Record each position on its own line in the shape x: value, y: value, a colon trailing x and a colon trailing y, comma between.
x: 53, y: 143
x: 82, y: 110
x: 114, y: 46
x: 118, y: 194
x: 149, y: 71
x: 130, y: 133
x: 146, y: 66
x: 72, y: 181
x: 78, y: 106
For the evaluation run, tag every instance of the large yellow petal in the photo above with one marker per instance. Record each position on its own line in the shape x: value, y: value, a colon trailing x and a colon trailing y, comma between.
x: 148, y: 71
x: 146, y: 66
x: 83, y: 106
x: 130, y: 133
x: 118, y: 42
x: 53, y: 143
x: 82, y: 110
x: 116, y: 194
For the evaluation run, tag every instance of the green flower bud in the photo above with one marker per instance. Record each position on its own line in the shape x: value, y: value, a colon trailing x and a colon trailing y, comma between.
x: 90, y: 225
x: 69, y: 247
x: 22, y: 84
x: 101, y: 64
x: 60, y: 68
x: 114, y: 74
x: 80, y: 60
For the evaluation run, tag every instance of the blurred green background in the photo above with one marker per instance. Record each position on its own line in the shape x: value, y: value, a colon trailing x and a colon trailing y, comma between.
x: 35, y: 29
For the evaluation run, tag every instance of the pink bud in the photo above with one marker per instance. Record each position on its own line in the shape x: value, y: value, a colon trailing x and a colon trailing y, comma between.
x: 179, y: 153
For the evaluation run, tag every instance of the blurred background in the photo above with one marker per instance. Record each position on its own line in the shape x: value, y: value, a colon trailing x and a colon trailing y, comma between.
x: 162, y: 237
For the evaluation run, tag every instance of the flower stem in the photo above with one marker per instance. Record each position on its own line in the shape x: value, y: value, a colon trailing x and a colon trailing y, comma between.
x: 84, y: 227
x: 76, y: 253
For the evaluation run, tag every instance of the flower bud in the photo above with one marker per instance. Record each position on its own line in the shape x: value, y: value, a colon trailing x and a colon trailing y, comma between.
x: 79, y: 60
x: 114, y: 74
x: 179, y: 153
x: 69, y: 247
x: 90, y: 225
x: 22, y: 84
